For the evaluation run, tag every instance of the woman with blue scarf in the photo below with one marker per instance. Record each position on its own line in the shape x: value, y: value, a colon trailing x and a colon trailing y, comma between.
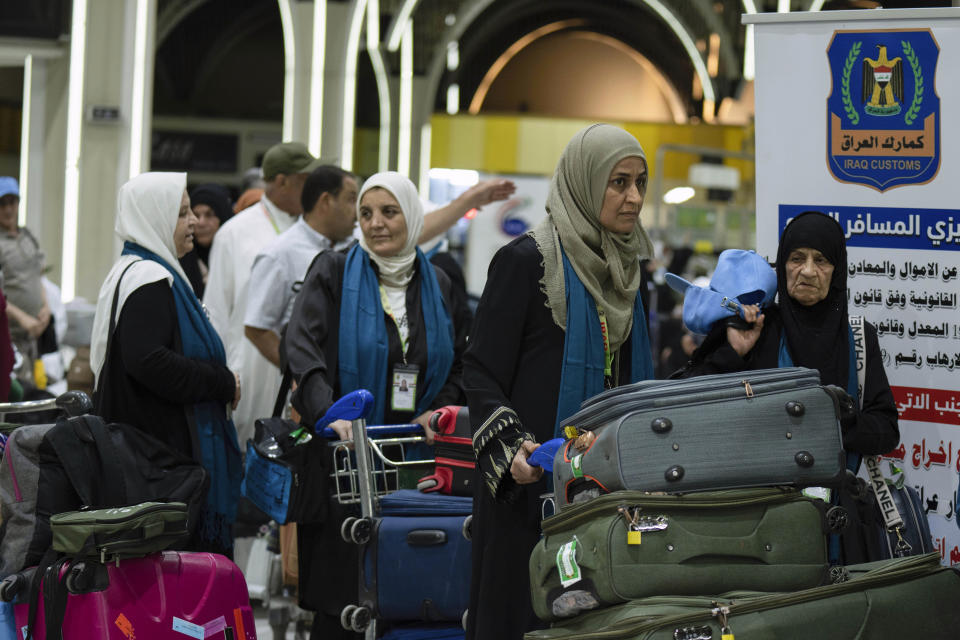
x: 160, y: 365
x: 560, y: 320
x: 381, y: 318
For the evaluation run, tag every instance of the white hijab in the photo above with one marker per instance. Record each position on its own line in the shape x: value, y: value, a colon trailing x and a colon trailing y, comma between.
x: 147, y: 210
x: 396, y: 271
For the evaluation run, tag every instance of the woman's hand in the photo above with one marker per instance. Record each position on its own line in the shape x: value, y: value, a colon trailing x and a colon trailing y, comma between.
x: 424, y: 421
x: 236, y: 390
x: 33, y: 326
x: 743, y: 340
x: 522, y: 472
x: 344, y: 429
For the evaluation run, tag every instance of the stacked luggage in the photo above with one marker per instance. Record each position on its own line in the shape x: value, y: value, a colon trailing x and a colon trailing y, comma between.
x: 414, y: 547
x: 682, y: 514
x: 70, y: 569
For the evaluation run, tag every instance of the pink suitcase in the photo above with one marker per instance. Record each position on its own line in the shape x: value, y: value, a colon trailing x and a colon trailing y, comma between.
x: 162, y: 596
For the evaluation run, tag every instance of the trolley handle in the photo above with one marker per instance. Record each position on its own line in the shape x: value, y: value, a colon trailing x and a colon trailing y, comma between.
x: 378, y: 431
x: 355, y: 405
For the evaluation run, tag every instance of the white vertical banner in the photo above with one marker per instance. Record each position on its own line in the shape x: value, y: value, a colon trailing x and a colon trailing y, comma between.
x: 856, y: 119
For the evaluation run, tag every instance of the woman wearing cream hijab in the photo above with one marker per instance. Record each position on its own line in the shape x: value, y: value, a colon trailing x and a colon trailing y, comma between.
x: 378, y: 318
x: 560, y: 319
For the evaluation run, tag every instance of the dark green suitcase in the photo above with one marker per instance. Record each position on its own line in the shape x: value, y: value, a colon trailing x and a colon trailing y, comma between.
x: 765, y: 539
x: 899, y: 599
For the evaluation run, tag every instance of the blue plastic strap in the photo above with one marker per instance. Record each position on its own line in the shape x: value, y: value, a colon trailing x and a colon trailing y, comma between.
x: 353, y: 406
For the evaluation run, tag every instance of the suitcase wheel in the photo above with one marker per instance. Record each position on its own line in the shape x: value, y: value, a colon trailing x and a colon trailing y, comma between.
x: 360, y: 531
x: 345, y: 528
x: 345, y: 616
x: 360, y: 619
x: 467, y: 529
x: 837, y: 519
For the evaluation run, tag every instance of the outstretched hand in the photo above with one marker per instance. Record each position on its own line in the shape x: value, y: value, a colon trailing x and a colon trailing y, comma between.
x: 491, y: 190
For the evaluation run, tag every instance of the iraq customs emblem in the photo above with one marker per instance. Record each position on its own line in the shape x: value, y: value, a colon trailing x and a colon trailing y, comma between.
x: 883, y: 113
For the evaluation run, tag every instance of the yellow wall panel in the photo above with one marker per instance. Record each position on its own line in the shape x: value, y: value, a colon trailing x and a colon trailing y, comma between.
x: 541, y: 141
x: 500, y: 145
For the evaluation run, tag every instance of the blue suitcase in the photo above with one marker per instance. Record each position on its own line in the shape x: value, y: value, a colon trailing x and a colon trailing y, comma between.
x: 417, y: 564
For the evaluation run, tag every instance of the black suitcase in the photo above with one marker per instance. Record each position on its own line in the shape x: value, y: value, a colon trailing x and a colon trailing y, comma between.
x: 747, y: 429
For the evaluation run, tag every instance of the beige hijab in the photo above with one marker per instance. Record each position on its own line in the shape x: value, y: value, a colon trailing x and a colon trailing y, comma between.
x: 607, y: 263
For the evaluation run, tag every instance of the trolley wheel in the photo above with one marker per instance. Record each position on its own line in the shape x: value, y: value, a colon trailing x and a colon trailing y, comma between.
x: 360, y: 619
x: 467, y: 529
x: 837, y: 519
x: 345, y: 616
x: 360, y: 531
x: 345, y: 528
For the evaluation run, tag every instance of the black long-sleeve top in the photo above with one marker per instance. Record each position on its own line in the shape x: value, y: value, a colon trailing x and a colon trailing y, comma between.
x: 151, y: 384
x: 874, y: 431
x: 311, y: 341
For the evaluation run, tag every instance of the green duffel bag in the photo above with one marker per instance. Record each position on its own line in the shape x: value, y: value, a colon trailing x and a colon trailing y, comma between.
x: 119, y: 532
x: 912, y: 597
x: 629, y: 544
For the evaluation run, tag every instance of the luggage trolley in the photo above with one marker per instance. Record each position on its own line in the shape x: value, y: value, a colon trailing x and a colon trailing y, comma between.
x: 436, y: 525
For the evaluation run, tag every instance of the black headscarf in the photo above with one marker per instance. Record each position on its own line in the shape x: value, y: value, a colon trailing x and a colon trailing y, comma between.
x: 217, y: 198
x: 817, y: 336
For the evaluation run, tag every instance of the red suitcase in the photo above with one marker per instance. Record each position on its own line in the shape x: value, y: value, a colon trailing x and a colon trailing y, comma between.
x: 163, y: 595
x: 454, y: 459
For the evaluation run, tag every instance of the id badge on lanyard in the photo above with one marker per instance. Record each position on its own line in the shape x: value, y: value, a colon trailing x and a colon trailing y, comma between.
x: 403, y: 396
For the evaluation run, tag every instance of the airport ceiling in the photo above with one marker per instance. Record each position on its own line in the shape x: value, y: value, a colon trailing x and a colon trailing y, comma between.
x: 224, y: 58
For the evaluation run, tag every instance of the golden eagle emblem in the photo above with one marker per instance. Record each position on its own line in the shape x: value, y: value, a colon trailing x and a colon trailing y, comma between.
x: 882, y: 84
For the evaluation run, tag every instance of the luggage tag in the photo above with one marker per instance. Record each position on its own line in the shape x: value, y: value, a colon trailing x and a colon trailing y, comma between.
x: 403, y: 396
x: 567, y: 563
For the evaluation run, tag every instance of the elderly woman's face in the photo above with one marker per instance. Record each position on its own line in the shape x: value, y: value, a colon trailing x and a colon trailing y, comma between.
x: 623, y: 197
x: 382, y: 223
x: 808, y: 276
x: 186, y: 224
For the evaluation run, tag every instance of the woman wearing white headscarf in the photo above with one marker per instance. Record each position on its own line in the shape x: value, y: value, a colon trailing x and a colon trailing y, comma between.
x: 375, y: 318
x: 560, y: 319
x: 159, y: 364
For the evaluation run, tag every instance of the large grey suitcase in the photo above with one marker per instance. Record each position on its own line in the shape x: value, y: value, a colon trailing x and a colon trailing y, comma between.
x: 747, y: 429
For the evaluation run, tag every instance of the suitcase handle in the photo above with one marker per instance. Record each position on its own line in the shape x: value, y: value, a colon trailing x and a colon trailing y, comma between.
x: 380, y: 431
x: 426, y: 537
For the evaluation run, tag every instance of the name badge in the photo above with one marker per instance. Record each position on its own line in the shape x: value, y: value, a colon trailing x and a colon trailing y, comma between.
x: 404, y: 387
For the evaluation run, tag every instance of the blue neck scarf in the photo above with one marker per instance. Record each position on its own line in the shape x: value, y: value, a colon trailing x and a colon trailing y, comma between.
x: 583, y: 357
x: 364, y: 347
x: 217, y: 437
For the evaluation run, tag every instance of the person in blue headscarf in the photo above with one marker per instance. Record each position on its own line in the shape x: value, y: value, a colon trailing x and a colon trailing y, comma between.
x: 559, y: 321
x: 159, y: 364
x: 381, y: 318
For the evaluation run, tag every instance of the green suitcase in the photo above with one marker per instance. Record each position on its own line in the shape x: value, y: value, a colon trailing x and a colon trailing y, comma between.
x: 898, y: 599
x: 765, y: 539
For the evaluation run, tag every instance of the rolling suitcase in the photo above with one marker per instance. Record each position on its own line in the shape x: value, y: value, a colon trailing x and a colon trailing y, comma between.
x: 747, y: 429
x: 904, y: 598
x: 419, y: 558
x: 454, y: 459
x: 629, y: 545
x: 159, y: 596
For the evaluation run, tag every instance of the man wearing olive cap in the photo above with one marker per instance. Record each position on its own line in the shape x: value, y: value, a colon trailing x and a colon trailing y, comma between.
x: 240, y: 239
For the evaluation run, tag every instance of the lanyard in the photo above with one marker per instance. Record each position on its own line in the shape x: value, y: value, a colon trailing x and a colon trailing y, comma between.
x: 607, y: 356
x: 388, y: 309
x: 273, y: 222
